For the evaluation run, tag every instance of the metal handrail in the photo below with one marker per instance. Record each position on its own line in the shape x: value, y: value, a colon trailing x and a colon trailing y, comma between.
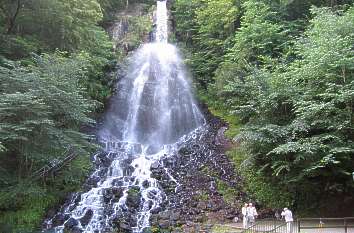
x: 349, y: 218
x: 261, y: 227
x: 277, y: 228
x: 322, y: 223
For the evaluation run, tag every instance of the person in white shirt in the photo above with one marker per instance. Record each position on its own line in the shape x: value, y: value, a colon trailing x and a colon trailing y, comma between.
x: 244, y: 216
x: 288, y: 216
x: 251, y: 213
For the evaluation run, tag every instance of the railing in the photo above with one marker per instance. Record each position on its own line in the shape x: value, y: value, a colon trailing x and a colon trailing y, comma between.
x: 272, y: 226
x: 55, y: 164
x: 281, y: 229
x: 265, y: 225
x: 318, y: 225
x: 338, y: 225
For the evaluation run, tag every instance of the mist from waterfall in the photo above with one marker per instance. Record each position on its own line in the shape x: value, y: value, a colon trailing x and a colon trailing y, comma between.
x: 151, y: 113
x: 154, y: 105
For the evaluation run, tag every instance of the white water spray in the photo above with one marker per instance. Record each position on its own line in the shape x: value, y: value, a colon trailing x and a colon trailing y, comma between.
x: 153, y: 110
x: 161, y: 22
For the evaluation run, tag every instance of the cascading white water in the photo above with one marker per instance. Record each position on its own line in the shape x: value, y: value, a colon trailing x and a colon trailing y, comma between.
x: 161, y: 22
x: 153, y: 110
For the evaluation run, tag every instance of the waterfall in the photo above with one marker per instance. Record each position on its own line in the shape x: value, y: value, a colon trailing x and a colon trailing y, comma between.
x: 161, y: 22
x: 151, y: 113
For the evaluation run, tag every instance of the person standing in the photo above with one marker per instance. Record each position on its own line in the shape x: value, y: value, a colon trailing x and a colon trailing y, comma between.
x: 244, y: 216
x: 288, y: 216
x: 251, y: 213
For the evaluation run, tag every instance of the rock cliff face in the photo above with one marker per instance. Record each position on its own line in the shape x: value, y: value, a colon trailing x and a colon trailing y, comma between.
x: 132, y: 27
x: 205, y: 188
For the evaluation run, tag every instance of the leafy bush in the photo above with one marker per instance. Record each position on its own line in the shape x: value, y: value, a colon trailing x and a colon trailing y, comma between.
x: 23, y: 206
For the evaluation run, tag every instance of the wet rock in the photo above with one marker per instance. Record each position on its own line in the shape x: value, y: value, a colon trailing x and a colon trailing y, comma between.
x: 102, y: 172
x: 71, y: 223
x: 164, y: 224
x: 87, y: 217
x: 107, y: 195
x: 202, y: 206
x: 155, y: 165
x: 199, y: 218
x: 58, y: 219
x: 196, y: 147
x: 156, y: 210
x: 125, y: 226
x: 134, y: 198
x: 117, y: 192
x: 117, y: 182
x: 106, y: 162
x: 165, y: 215
x: 169, y: 161
x: 185, y: 151
x: 51, y: 212
x: 146, y: 184
x: 93, y: 180
x: 175, y: 216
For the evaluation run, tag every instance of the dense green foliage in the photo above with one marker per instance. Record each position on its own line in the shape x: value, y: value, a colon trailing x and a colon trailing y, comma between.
x: 285, y: 70
x: 42, y: 109
x: 111, y: 7
x: 54, y: 60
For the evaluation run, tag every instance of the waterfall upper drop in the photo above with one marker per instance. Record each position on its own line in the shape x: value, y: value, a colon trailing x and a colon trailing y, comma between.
x: 152, y: 112
x: 161, y: 22
x: 154, y: 104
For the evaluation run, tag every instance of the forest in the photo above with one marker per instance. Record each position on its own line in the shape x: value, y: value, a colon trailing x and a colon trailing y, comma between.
x: 279, y: 72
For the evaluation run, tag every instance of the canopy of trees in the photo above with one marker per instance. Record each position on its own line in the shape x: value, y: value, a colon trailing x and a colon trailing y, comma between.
x: 285, y: 69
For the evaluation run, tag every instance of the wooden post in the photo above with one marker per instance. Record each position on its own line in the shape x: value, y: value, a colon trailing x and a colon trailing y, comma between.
x: 345, y: 226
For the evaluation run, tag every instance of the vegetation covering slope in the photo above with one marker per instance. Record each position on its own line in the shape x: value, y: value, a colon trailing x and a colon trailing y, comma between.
x: 53, y: 58
x: 284, y: 69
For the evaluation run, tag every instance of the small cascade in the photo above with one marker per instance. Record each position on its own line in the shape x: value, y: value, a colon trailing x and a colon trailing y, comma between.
x: 161, y: 22
x: 150, y: 117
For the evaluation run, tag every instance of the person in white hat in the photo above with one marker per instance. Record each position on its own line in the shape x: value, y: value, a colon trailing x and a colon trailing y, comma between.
x: 288, y: 216
x: 244, y: 216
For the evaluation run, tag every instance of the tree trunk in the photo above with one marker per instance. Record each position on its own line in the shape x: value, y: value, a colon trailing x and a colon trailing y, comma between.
x: 11, y: 21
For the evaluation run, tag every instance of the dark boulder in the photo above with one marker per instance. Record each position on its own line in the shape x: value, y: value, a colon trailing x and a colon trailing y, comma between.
x: 71, y: 223
x: 87, y: 217
x: 58, y: 220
